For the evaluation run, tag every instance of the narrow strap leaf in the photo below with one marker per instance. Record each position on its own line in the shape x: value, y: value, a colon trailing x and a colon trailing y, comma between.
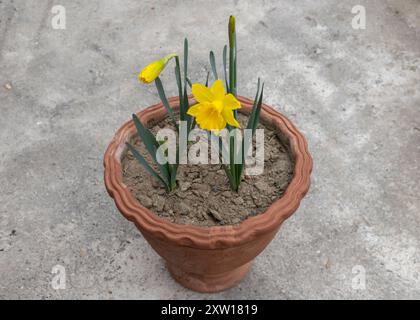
x: 144, y: 163
x: 252, y: 124
x: 258, y: 111
x: 235, y: 64
x: 189, y: 82
x: 182, y: 111
x: 222, y: 149
x: 147, y: 137
x: 174, y: 169
x: 213, y: 65
x: 232, y: 72
x: 179, y: 84
x: 232, y: 160
x: 207, y: 79
x: 224, y: 67
x: 164, y: 100
x: 152, y: 146
x: 252, y: 115
x: 186, y: 107
x: 230, y: 177
x: 185, y: 60
x: 192, y: 124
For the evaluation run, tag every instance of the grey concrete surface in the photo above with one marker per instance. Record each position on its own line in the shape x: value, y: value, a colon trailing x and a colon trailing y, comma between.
x: 353, y: 93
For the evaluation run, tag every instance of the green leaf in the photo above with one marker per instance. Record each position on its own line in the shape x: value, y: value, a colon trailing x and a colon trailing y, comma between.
x: 245, y: 144
x: 189, y: 119
x: 144, y: 163
x: 213, y: 65
x: 258, y: 111
x: 179, y: 84
x: 231, y: 71
x: 225, y: 66
x: 185, y: 60
x: 232, y: 160
x: 225, y: 167
x: 252, y: 115
x: 182, y: 112
x: 164, y: 100
x: 235, y: 64
x: 192, y: 124
x: 252, y: 124
x: 173, y: 170
x: 232, y: 56
x: 152, y: 146
x: 189, y: 82
x: 230, y: 177
x: 207, y: 79
x: 147, y: 137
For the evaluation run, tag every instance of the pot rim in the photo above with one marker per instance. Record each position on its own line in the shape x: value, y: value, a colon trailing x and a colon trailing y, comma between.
x: 215, y: 236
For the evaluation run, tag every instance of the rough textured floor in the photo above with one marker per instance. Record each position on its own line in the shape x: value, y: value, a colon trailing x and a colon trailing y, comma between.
x: 353, y: 93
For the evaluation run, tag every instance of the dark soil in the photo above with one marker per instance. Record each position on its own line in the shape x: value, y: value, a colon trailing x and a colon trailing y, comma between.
x: 203, y: 196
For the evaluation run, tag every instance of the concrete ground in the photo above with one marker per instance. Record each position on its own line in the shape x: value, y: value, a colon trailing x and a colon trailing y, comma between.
x: 354, y: 93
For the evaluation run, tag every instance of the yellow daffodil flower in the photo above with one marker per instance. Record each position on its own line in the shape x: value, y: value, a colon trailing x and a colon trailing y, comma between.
x: 214, y: 108
x: 153, y: 70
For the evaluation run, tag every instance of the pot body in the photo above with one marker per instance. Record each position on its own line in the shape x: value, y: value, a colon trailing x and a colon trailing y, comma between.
x: 209, y: 259
x: 209, y: 270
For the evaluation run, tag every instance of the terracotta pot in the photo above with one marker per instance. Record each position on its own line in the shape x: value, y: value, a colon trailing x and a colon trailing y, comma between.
x: 209, y: 259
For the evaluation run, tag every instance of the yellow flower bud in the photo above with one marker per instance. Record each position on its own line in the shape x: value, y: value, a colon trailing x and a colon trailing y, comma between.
x: 153, y: 70
x: 231, y: 31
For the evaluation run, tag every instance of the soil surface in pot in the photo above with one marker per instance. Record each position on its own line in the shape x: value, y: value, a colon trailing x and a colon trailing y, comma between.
x: 203, y: 196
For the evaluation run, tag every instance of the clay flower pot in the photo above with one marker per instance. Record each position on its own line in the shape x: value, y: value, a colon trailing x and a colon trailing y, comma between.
x: 209, y: 259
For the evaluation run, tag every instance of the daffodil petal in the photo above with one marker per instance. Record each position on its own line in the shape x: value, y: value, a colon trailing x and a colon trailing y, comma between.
x: 194, y: 110
x: 218, y: 90
x: 230, y: 118
x: 201, y: 93
x: 231, y: 102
